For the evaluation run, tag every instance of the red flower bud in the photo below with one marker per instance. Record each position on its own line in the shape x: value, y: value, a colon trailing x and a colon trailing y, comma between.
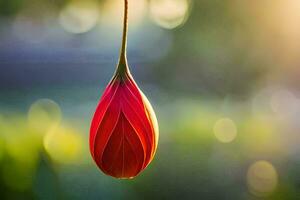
x: 124, y: 130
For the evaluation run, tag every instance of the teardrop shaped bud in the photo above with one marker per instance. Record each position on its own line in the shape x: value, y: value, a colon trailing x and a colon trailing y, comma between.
x: 124, y: 130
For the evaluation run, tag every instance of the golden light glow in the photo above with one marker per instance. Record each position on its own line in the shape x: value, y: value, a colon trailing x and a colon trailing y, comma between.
x: 262, y: 178
x: 113, y: 12
x: 64, y: 145
x: 152, y: 116
x: 277, y: 23
x: 169, y: 13
x: 79, y: 16
x: 43, y: 115
x: 225, y: 130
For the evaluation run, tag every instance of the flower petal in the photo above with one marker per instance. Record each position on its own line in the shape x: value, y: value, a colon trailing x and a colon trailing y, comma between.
x: 104, y: 103
x: 123, y: 155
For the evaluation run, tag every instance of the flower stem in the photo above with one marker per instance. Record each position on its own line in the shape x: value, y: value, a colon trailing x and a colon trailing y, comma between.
x: 122, y: 66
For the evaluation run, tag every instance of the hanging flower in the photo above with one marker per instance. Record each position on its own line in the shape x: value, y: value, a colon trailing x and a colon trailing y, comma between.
x: 124, y: 130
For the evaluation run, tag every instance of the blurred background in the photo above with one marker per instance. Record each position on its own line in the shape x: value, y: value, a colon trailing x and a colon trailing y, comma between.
x: 223, y: 78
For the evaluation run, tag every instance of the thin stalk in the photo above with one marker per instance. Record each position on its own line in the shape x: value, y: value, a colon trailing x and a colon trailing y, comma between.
x: 122, y: 66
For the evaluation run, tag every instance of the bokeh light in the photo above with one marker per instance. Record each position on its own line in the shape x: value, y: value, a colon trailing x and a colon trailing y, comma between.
x: 79, y: 16
x: 279, y: 29
x: 225, y: 130
x: 283, y: 102
x: 22, y: 147
x: 64, y: 145
x: 33, y: 23
x: 43, y: 115
x: 113, y: 12
x: 262, y: 178
x: 223, y: 77
x: 169, y: 14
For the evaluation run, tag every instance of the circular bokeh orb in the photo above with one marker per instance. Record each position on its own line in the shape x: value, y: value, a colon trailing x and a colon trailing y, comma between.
x: 283, y: 101
x: 262, y: 178
x: 79, y: 16
x: 225, y: 130
x: 64, y: 145
x: 169, y: 14
x: 43, y: 115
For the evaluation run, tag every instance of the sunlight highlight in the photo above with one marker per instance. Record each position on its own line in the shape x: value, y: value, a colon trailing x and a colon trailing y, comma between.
x: 79, y: 16
x: 43, y: 115
x: 64, y: 145
x: 262, y: 178
x: 225, y: 130
x: 169, y: 14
